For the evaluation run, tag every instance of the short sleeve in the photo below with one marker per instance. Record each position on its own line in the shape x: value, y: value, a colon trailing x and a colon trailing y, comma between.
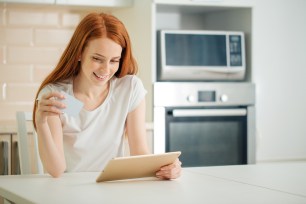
x: 47, y: 89
x: 63, y: 86
x: 138, y: 93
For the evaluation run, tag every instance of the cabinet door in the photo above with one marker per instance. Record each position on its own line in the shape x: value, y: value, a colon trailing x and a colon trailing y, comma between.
x: 5, y: 154
x: 103, y: 3
x: 30, y: 1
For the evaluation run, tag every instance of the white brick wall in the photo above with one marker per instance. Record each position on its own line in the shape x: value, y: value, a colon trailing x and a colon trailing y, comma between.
x: 16, y: 36
x: 2, y: 18
x: 15, y: 73
x: 32, y: 18
x: 31, y: 42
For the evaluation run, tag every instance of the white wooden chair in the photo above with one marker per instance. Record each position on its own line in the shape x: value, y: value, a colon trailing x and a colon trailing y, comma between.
x: 30, y: 162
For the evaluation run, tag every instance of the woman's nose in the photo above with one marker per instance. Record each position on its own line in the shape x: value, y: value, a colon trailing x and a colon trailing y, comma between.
x: 106, y: 66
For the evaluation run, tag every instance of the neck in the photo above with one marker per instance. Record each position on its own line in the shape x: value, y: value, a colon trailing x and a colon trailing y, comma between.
x: 92, y: 96
x: 81, y: 87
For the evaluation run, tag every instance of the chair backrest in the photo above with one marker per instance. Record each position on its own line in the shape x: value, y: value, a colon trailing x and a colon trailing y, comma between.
x: 27, y: 145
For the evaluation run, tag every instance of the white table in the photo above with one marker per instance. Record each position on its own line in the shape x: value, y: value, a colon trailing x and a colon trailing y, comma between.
x: 266, y: 183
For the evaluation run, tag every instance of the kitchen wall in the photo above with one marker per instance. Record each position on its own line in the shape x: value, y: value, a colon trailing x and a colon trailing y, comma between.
x: 31, y: 42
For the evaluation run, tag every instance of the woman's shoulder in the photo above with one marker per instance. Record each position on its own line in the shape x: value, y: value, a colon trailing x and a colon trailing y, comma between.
x: 127, y: 81
x: 65, y: 86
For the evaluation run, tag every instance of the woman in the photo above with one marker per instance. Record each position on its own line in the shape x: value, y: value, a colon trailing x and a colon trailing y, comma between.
x: 97, y: 68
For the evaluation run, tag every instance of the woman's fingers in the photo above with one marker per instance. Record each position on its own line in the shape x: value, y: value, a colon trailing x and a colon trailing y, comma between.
x: 53, y: 95
x: 170, y: 171
x: 43, y: 108
x: 49, y: 105
x: 51, y: 102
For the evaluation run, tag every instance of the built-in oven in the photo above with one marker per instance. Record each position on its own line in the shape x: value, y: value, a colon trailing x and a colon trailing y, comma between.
x: 210, y: 123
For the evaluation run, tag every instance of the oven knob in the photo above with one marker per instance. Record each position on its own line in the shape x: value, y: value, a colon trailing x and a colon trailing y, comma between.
x: 190, y: 98
x: 224, y: 98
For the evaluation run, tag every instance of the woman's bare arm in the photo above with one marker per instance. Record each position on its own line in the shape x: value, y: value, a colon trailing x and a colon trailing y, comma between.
x: 50, y: 135
x: 136, y: 132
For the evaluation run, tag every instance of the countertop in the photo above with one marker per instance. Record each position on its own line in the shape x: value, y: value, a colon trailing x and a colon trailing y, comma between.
x: 260, y: 183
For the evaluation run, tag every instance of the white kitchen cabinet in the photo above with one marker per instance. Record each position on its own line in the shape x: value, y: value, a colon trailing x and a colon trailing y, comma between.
x: 29, y: 1
x: 87, y: 3
x: 103, y: 3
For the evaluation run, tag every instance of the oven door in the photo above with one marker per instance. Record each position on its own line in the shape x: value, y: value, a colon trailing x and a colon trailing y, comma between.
x: 207, y: 136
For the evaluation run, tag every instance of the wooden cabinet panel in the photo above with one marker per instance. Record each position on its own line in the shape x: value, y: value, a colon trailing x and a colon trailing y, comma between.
x: 9, y: 158
x: 15, y: 165
x: 5, y: 154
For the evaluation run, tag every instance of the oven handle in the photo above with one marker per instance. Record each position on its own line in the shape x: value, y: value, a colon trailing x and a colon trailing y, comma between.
x: 209, y: 112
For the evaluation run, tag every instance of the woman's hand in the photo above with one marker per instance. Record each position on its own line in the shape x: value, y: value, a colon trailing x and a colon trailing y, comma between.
x: 49, y: 106
x: 171, y: 171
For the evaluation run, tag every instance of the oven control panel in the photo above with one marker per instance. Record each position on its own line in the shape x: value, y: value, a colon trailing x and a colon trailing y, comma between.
x: 177, y: 94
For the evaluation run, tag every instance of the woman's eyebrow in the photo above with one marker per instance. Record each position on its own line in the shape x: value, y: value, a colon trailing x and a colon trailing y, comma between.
x: 99, y: 55
x: 117, y: 57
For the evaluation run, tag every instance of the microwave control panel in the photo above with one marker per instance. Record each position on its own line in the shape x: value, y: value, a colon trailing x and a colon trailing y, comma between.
x: 235, y: 50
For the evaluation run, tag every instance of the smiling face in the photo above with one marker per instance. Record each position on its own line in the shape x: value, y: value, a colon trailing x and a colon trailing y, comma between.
x: 100, y: 61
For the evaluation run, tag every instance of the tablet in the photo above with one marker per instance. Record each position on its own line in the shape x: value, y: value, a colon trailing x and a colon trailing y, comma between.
x: 136, y: 166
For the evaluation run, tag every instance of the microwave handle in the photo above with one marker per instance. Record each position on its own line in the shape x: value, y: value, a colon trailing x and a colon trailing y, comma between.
x: 208, y: 112
x: 224, y: 70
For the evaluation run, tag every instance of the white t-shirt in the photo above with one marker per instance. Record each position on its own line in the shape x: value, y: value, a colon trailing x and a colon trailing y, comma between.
x: 94, y: 137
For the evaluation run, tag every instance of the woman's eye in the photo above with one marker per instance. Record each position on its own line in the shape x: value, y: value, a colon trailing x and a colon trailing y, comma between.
x: 96, y: 59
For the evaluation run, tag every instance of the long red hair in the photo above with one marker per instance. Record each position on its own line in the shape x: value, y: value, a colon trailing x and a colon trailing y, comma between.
x: 93, y: 26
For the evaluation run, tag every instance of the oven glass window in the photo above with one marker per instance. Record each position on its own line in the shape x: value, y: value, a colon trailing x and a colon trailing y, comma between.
x: 208, y: 141
x: 195, y: 50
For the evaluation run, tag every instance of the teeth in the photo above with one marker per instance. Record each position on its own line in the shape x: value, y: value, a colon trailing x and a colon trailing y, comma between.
x: 100, y: 76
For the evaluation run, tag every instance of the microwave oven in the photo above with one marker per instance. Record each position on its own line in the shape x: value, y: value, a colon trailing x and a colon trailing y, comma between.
x: 200, y: 55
